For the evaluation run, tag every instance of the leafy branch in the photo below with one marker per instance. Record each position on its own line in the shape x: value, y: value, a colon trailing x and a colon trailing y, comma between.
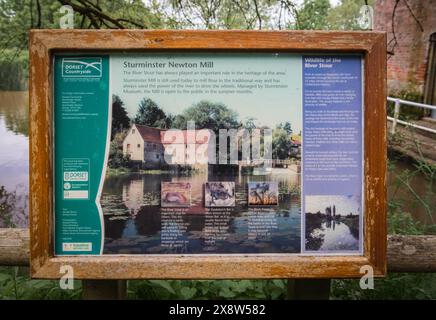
x: 94, y: 13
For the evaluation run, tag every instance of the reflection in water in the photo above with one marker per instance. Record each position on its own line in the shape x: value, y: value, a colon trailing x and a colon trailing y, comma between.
x: 14, y: 159
x: 135, y: 222
x: 324, y: 234
x: 337, y: 236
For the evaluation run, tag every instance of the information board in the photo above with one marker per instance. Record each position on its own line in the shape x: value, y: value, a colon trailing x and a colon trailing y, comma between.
x: 208, y: 153
x: 191, y: 154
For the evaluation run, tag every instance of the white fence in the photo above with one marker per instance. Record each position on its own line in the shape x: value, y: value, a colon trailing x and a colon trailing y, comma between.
x: 397, y: 107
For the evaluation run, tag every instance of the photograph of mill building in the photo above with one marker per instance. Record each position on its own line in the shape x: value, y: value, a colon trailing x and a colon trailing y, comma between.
x: 146, y: 146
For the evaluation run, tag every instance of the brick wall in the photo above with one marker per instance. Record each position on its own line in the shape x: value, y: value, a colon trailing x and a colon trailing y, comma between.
x: 408, y: 66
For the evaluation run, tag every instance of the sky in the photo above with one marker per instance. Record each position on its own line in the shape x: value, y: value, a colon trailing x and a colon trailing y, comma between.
x: 268, y: 106
x: 344, y: 204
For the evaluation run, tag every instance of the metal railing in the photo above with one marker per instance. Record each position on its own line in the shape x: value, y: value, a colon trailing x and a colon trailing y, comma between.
x: 395, y: 120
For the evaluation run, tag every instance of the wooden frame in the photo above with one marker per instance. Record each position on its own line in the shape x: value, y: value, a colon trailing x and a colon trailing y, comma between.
x: 44, y: 43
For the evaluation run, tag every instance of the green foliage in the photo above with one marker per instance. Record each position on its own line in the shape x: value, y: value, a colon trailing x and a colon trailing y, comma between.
x: 281, y: 141
x: 120, y: 119
x: 403, y: 223
x: 14, y: 68
x: 116, y: 157
x: 150, y: 114
x: 394, y: 286
x: 407, y: 112
x: 207, y: 289
x: 209, y: 115
x: 222, y: 14
x: 286, y: 126
x: 149, y: 15
x: 15, y: 284
x: 117, y: 160
x: 18, y: 16
x: 313, y: 15
x: 345, y: 15
x: 405, y: 180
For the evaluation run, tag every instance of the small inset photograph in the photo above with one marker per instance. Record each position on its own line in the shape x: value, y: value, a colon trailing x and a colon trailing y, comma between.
x: 263, y: 193
x: 219, y: 194
x: 175, y: 194
x: 332, y: 223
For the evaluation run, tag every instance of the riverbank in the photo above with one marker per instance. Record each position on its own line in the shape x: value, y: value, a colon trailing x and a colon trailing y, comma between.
x: 414, y: 144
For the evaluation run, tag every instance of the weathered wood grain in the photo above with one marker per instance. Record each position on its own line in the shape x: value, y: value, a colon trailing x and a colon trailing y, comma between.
x: 14, y: 247
x: 40, y: 153
x: 44, y: 43
x: 375, y: 155
x: 405, y: 253
x: 412, y: 253
x: 350, y: 41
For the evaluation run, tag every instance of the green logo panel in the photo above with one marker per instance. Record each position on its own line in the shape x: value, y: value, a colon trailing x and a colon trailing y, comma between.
x: 81, y: 121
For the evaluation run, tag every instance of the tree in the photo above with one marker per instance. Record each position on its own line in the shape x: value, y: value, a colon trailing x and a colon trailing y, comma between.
x: 287, y: 127
x: 224, y: 14
x: 120, y: 119
x: 116, y: 157
x: 249, y: 123
x: 149, y: 114
x: 281, y: 144
x: 345, y: 15
x: 313, y: 14
x: 208, y: 115
x: 17, y: 17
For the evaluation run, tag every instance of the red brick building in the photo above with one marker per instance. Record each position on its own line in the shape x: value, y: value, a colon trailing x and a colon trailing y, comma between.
x: 412, y: 64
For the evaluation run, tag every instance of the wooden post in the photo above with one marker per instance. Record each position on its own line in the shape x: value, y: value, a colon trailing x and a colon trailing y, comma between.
x: 14, y: 247
x: 104, y: 289
x: 308, y: 289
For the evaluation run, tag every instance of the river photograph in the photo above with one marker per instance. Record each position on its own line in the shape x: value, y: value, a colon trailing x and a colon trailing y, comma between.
x: 136, y: 223
x: 332, y: 223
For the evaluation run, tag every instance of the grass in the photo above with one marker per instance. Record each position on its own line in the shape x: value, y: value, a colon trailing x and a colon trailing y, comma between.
x: 15, y: 284
x: 117, y: 171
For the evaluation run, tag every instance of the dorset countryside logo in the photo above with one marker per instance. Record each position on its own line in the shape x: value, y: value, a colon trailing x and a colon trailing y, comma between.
x: 81, y: 67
